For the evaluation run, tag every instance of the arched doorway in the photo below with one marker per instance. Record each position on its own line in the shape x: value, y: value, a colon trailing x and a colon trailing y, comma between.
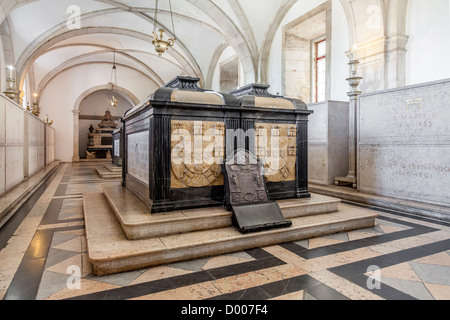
x: 92, y: 110
x: 89, y: 109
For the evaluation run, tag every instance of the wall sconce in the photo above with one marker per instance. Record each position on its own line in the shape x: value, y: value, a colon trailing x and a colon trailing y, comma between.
x: 11, y: 91
x: 48, y: 121
x: 35, y: 110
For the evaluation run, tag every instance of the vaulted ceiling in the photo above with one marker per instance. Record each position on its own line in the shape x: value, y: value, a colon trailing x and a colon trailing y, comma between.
x: 45, y: 39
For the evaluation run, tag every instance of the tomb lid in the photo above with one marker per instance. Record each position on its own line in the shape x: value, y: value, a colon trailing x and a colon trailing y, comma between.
x: 107, y: 121
x: 257, y: 95
x: 186, y: 90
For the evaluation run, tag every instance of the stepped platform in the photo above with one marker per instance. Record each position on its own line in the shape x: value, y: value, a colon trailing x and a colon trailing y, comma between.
x: 122, y: 235
x: 109, y: 171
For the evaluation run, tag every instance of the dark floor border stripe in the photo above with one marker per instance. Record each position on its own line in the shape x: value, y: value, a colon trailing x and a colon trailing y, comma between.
x: 359, y: 243
x: 10, y: 227
x: 398, y: 213
x: 355, y: 271
x: 26, y: 281
x: 385, y: 291
x: 264, y: 261
x: 275, y: 289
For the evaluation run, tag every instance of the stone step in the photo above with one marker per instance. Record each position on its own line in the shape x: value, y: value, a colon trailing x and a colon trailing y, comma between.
x: 107, y: 174
x: 113, y: 168
x: 111, y: 252
x: 137, y: 222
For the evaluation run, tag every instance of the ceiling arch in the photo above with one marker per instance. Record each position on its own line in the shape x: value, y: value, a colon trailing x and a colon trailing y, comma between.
x: 23, y: 66
x: 73, y: 64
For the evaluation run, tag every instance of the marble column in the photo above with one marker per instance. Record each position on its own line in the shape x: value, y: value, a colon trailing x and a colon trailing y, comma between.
x: 354, y: 82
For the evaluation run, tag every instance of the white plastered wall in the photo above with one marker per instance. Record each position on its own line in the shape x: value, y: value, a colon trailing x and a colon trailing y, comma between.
x: 428, y: 27
x: 59, y: 98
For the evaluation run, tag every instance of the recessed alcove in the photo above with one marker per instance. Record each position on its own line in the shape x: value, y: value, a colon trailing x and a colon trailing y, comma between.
x: 92, y: 110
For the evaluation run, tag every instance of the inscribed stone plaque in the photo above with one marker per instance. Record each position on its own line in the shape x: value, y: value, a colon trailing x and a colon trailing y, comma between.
x: 138, y: 165
x: 410, y: 172
x: 404, y: 143
x: 406, y: 115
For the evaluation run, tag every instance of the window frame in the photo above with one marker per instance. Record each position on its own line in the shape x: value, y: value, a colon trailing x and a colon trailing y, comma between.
x: 317, y: 59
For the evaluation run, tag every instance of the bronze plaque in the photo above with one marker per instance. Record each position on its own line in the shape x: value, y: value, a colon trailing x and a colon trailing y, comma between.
x: 248, y: 196
x: 245, y: 179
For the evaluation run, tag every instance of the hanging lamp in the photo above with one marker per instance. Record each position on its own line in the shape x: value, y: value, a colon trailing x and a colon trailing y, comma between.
x: 160, y: 44
x: 112, y: 100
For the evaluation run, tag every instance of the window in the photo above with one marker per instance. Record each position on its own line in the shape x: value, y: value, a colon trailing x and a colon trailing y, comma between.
x: 320, y: 49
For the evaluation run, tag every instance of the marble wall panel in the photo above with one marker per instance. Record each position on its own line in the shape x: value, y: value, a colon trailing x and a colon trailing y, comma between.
x: 41, y: 156
x: 50, y: 145
x: 2, y: 144
x: 318, y: 123
x: 32, y: 130
x: 14, y: 144
x: 138, y: 156
x: 14, y: 166
x: 41, y: 145
x: 318, y: 164
x: 2, y: 121
x: 406, y: 171
x: 2, y: 170
x: 404, y: 143
x: 328, y: 142
x: 32, y: 160
x: 36, y: 143
x: 14, y: 124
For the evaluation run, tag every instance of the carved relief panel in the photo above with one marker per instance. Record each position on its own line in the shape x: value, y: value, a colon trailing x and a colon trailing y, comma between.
x: 277, y: 150
x: 197, y: 152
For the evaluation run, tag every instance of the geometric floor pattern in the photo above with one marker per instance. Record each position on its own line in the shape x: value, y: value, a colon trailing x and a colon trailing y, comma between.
x: 404, y: 257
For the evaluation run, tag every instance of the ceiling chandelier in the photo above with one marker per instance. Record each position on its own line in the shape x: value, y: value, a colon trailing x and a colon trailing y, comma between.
x: 160, y: 44
x: 112, y: 100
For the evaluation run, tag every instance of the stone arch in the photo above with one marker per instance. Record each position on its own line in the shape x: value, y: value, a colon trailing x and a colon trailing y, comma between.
x: 270, y: 34
x: 213, y: 64
x: 247, y: 29
x: 350, y: 15
x: 234, y: 37
x: 76, y: 113
x: 396, y: 20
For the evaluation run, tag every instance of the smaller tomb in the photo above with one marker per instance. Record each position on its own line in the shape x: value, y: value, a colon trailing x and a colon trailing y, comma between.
x: 100, y: 139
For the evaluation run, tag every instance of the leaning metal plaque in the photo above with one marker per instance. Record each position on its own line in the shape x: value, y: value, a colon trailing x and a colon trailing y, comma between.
x: 247, y: 195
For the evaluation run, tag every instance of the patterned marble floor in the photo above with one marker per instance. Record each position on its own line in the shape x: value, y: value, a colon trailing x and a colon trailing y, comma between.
x: 44, y: 257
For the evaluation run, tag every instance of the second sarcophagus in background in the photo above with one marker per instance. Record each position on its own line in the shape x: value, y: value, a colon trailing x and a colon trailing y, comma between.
x: 175, y: 143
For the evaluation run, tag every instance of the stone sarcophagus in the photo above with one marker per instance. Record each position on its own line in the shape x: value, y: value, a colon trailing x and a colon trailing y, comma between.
x: 175, y: 144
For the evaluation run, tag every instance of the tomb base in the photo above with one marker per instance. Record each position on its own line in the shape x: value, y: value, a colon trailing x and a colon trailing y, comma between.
x: 109, y: 171
x: 122, y: 235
